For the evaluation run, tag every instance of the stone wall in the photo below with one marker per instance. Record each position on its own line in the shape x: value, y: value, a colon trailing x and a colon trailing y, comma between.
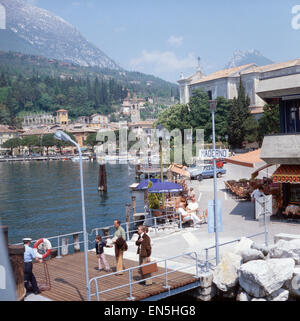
x: 253, y: 272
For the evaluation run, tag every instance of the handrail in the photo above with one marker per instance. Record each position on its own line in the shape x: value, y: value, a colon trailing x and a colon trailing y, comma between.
x: 125, y: 224
x: 222, y: 244
x: 130, y: 270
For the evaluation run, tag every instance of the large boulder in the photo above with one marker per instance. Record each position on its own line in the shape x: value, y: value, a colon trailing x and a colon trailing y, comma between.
x: 252, y: 254
x: 225, y: 275
x: 260, y: 247
x: 279, y: 295
x: 293, y: 285
x: 261, y: 278
x: 285, y: 249
x: 243, y: 245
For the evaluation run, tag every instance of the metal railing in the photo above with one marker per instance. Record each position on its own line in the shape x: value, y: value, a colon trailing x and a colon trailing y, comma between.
x: 131, y: 282
x: 206, y: 266
x: 130, y: 228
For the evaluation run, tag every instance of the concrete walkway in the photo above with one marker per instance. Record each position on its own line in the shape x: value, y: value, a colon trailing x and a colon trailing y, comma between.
x: 237, y: 218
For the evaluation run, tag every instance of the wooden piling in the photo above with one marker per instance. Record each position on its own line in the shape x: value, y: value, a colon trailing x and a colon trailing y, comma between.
x: 133, y: 205
x: 102, y: 181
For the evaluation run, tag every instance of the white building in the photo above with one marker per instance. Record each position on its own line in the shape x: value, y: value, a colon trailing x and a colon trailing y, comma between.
x: 225, y: 82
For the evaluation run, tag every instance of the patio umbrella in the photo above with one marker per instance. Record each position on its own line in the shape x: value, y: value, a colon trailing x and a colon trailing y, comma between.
x: 144, y: 184
x: 165, y: 187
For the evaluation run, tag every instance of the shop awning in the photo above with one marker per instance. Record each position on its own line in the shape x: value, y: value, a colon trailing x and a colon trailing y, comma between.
x: 179, y: 169
x: 255, y: 173
x: 247, y: 159
x: 287, y: 174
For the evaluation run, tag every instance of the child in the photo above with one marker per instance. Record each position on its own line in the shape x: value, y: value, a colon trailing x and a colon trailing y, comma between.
x: 99, y: 245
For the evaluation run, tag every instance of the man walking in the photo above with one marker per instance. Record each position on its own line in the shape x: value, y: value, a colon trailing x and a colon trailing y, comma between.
x: 119, y: 240
x: 144, y: 251
x: 29, y: 255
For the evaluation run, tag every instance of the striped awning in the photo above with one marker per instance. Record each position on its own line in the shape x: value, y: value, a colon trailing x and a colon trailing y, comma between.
x: 287, y: 174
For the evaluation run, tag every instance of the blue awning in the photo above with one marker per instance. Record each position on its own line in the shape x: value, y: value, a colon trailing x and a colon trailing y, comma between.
x: 165, y: 187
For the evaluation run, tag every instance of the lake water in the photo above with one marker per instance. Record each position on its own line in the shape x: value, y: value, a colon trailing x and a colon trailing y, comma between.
x: 42, y: 199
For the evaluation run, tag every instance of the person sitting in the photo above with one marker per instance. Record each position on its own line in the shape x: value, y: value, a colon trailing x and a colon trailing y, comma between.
x: 191, y: 194
x: 193, y: 206
x: 188, y: 215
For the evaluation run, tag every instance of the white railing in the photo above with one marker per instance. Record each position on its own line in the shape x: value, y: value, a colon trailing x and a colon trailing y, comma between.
x: 131, y: 282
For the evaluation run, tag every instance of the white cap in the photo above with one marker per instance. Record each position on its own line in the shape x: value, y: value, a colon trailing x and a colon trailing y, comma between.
x: 26, y: 239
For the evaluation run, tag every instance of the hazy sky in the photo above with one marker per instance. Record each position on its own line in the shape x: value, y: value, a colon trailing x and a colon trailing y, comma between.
x: 165, y: 37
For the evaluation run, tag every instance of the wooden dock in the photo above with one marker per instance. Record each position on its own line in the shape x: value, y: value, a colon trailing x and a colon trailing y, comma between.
x: 67, y: 277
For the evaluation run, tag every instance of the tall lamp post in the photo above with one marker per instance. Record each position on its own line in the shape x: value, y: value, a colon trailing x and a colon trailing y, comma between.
x: 213, y: 106
x: 161, y: 134
x: 60, y: 135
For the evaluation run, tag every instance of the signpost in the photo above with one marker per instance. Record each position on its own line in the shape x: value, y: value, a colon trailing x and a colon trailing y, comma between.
x: 263, y: 211
x: 211, y: 219
x: 209, y: 153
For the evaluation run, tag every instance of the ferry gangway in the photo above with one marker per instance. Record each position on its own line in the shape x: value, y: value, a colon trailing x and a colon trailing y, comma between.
x: 168, y: 270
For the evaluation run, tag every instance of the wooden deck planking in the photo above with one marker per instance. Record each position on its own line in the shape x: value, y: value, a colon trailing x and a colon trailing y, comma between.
x: 67, y: 277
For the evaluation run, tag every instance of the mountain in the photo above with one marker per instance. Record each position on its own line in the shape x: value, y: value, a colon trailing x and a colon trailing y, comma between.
x: 241, y: 57
x: 32, y: 30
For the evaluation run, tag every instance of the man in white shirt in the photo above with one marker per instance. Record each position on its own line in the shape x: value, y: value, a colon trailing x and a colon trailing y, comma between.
x: 256, y: 194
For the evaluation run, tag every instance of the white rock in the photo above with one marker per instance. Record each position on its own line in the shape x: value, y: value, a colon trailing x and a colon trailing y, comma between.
x: 243, y: 245
x: 243, y: 296
x: 252, y: 254
x: 225, y: 275
x: 254, y: 299
x: 260, y: 247
x: 285, y: 249
x: 279, y: 295
x: 263, y: 277
x: 293, y: 285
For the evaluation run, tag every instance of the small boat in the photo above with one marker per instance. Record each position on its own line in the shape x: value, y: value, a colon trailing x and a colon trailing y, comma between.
x: 77, y: 158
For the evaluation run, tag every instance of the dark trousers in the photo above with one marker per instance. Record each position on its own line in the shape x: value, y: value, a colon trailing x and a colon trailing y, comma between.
x: 29, y: 277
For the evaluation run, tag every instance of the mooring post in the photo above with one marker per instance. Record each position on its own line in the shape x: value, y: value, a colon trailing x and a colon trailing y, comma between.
x: 133, y: 205
x: 102, y: 181
x: 128, y: 211
x: 64, y: 246
x: 76, y: 243
x: 138, y: 171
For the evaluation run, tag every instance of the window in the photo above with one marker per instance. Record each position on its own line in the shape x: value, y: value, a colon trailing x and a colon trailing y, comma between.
x: 295, y: 193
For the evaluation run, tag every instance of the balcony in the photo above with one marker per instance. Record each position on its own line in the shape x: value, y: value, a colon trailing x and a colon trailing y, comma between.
x: 281, y: 149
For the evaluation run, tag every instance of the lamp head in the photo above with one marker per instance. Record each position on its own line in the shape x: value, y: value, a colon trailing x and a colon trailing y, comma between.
x: 213, y: 105
x: 60, y: 135
x: 160, y: 130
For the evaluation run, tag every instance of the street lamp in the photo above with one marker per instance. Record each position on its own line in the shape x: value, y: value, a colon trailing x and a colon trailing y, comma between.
x: 161, y: 134
x: 213, y: 107
x: 60, y: 135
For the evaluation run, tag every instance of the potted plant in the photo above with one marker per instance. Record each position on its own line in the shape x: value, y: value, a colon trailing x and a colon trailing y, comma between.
x: 154, y: 201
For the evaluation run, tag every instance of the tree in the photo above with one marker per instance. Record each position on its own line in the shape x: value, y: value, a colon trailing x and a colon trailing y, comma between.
x: 12, y: 143
x: 47, y: 141
x: 238, y: 118
x: 91, y: 140
x: 269, y: 123
x: 31, y: 141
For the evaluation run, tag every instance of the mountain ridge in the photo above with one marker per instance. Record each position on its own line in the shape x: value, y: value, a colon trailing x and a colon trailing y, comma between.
x: 33, y: 30
x: 244, y: 57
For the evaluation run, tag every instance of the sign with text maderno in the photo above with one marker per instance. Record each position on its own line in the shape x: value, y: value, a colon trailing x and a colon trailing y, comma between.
x: 209, y: 153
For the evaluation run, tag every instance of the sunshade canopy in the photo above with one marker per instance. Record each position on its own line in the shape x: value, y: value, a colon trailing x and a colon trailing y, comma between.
x: 165, y: 187
x: 144, y: 184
